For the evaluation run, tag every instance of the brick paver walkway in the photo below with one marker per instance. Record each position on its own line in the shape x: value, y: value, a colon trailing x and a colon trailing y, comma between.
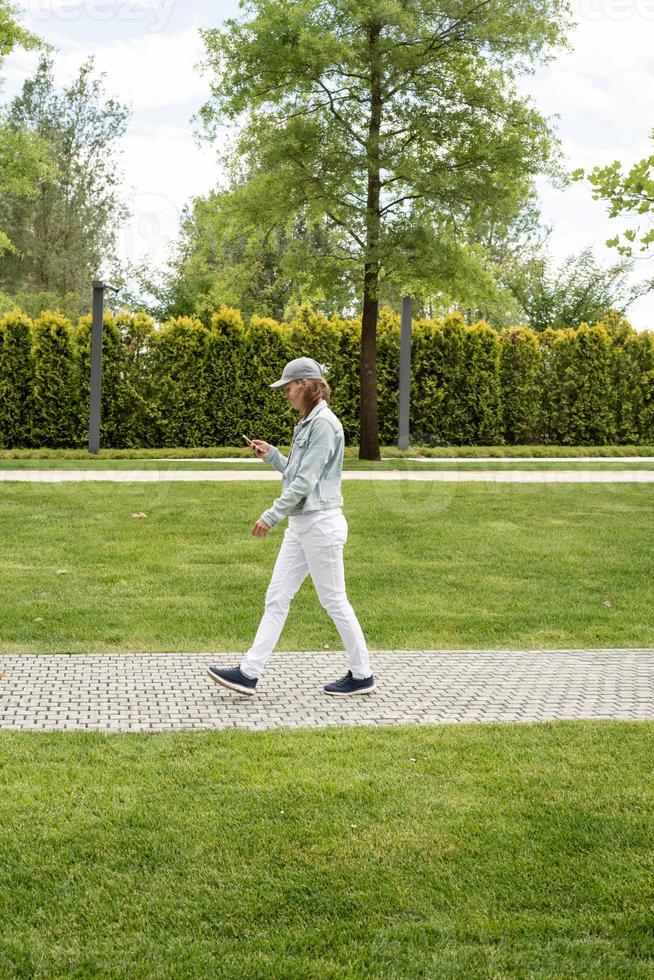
x: 157, y: 692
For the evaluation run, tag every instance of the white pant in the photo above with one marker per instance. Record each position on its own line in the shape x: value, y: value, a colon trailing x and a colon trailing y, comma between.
x: 312, y: 543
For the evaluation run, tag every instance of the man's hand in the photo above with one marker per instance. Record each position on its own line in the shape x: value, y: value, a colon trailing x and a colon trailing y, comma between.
x: 260, y: 529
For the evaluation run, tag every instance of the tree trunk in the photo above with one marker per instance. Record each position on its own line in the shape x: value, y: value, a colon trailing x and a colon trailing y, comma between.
x: 368, y: 420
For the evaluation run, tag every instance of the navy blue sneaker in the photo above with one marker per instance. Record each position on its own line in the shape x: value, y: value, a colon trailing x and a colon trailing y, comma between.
x: 350, y: 685
x: 234, y: 679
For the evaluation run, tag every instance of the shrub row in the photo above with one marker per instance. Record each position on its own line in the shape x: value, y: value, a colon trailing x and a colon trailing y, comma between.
x: 188, y: 383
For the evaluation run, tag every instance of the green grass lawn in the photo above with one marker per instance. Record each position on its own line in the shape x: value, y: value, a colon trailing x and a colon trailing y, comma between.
x: 351, y: 452
x: 457, y: 851
x: 349, y: 463
x: 428, y: 565
x: 451, y: 851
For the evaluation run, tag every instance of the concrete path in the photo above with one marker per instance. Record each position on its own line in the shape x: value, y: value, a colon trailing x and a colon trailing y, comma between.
x: 166, y: 691
x: 440, y: 476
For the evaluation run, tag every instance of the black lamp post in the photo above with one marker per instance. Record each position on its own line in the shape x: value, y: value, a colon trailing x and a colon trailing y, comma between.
x: 405, y: 373
x: 96, y: 362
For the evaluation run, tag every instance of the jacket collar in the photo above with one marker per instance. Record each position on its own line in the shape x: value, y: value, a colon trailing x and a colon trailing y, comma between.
x: 314, y: 411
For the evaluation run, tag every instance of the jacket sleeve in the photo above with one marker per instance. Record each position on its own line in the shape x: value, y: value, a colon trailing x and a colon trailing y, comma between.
x: 276, y: 459
x: 320, y: 447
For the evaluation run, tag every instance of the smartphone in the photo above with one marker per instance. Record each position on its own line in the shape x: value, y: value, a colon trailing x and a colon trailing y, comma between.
x: 249, y: 441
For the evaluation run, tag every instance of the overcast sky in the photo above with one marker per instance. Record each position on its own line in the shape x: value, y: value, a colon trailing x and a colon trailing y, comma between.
x: 603, y: 93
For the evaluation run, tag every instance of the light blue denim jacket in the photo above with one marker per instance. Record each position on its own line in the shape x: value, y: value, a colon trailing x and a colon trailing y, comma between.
x: 312, y: 471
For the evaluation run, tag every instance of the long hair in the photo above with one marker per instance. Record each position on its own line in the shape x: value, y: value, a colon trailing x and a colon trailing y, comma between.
x: 314, y: 390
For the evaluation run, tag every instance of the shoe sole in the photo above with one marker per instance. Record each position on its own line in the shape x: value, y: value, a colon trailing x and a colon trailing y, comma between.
x: 348, y: 694
x: 230, y: 685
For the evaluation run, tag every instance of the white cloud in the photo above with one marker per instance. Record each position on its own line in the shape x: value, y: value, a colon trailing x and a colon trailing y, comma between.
x: 603, y: 93
x: 151, y: 71
x: 156, y: 70
x: 164, y: 168
x: 153, y: 15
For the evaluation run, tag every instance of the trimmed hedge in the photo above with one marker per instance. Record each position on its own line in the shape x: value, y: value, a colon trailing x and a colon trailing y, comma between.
x: 193, y: 383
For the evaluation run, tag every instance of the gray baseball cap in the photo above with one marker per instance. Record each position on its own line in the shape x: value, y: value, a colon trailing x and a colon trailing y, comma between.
x: 301, y: 367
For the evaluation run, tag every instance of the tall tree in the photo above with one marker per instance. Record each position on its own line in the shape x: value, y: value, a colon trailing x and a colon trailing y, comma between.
x: 263, y: 270
x: 392, y: 119
x: 578, y: 291
x: 64, y: 233
x: 23, y: 156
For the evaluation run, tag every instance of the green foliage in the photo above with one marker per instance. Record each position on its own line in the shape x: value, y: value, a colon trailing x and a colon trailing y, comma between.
x: 519, y: 379
x: 23, y: 154
x: 588, y: 387
x: 63, y: 231
x: 644, y: 397
x: 222, y: 258
x: 193, y: 384
x: 456, y: 381
x: 224, y: 366
x: 54, y: 395
x: 388, y: 387
x: 13, y: 34
x: 579, y: 290
x: 626, y: 193
x: 72, y: 305
x: 140, y: 420
x: 15, y: 379
x: 628, y: 381
x: 24, y: 162
x: 578, y: 403
x: 179, y: 364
